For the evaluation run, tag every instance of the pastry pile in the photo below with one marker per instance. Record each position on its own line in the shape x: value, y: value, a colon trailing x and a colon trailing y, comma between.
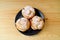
x: 29, y: 19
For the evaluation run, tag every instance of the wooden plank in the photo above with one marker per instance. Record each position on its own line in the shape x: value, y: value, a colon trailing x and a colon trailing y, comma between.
x: 9, y: 9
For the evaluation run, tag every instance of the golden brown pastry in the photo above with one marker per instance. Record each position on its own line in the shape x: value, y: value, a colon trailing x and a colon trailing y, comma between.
x: 23, y: 24
x: 28, y: 12
x: 37, y: 23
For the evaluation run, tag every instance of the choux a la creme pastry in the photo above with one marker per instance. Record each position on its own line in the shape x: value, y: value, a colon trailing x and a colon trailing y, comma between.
x: 28, y: 12
x: 37, y: 23
x: 23, y: 24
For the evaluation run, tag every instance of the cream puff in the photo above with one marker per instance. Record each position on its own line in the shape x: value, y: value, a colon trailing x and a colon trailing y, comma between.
x: 28, y: 12
x: 23, y: 24
x: 37, y: 23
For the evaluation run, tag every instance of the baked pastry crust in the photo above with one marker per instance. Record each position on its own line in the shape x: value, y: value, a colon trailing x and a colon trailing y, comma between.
x: 23, y: 24
x: 28, y: 12
x: 37, y: 23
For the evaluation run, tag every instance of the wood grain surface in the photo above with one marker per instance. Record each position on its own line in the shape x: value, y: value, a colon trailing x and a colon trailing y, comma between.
x: 9, y: 9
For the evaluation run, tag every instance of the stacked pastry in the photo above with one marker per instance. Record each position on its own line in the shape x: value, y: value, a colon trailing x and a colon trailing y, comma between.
x: 29, y: 19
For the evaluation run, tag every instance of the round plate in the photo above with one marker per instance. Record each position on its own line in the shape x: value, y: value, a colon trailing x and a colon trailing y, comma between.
x: 30, y: 31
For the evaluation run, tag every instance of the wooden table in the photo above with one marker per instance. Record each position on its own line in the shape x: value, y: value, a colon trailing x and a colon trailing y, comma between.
x: 9, y: 9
